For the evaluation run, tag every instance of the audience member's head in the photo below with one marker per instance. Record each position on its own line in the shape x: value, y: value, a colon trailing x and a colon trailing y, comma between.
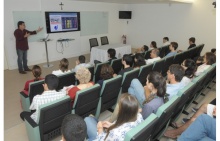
x: 51, y: 82
x: 145, y: 48
x: 190, y: 67
x: 106, y: 72
x: 173, y: 46
x: 156, y: 83
x: 153, y: 44
x: 111, y: 53
x: 192, y: 40
x: 175, y: 73
x: 213, y: 50
x: 165, y: 39
x: 36, y: 71
x: 82, y: 59
x: 154, y: 53
x: 127, y: 60
x: 64, y: 63
x: 139, y: 60
x: 73, y: 128
x: 209, y: 58
x: 128, y: 109
x: 83, y: 75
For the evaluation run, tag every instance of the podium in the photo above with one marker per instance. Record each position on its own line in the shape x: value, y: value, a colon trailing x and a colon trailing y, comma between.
x: 48, y: 65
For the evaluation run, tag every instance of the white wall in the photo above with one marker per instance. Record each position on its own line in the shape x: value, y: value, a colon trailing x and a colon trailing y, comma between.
x: 149, y: 22
x: 177, y: 21
x: 80, y: 45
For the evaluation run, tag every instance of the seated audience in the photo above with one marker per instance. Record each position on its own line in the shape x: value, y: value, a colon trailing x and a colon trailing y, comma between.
x: 209, y: 59
x: 84, y: 76
x: 190, y: 68
x: 127, y: 119
x: 127, y: 63
x: 111, y: 55
x: 203, y: 129
x: 154, y: 56
x: 208, y: 109
x: 213, y: 50
x: 153, y: 45
x: 139, y: 60
x: 192, y: 42
x: 64, y: 63
x: 81, y: 62
x: 173, y: 46
x: 151, y: 96
x: 36, y: 71
x: 73, y: 128
x: 142, y: 49
x: 166, y: 41
x: 50, y: 94
x: 106, y: 73
x: 174, y: 77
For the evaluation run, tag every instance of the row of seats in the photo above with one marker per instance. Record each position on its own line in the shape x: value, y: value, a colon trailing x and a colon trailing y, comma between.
x: 93, y: 100
x: 69, y: 78
x: 152, y: 127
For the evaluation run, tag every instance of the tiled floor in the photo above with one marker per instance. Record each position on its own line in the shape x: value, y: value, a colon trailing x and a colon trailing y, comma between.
x: 14, y: 127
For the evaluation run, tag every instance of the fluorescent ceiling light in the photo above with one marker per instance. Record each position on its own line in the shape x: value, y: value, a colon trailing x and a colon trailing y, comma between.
x: 185, y: 1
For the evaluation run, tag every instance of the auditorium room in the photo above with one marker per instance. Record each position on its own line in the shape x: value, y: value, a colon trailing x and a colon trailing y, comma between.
x: 125, y: 70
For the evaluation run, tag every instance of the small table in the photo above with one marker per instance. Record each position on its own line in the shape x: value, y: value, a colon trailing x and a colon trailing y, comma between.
x: 100, y: 53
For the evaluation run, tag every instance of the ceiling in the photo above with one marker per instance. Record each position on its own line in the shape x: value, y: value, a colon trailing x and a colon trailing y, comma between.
x: 139, y: 1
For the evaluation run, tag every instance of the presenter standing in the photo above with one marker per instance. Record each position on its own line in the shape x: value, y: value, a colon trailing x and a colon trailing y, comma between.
x: 21, y: 36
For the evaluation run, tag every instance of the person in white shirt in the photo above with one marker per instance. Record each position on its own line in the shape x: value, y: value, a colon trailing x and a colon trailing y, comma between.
x: 50, y: 94
x: 64, y: 63
x: 154, y: 56
x: 81, y: 63
x: 166, y: 41
x: 209, y: 59
x: 190, y: 68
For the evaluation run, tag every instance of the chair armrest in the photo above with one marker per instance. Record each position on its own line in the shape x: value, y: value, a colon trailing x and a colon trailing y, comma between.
x: 23, y: 94
x: 31, y: 121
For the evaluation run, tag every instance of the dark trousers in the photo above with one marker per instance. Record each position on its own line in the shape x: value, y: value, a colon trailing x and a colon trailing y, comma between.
x: 22, y: 59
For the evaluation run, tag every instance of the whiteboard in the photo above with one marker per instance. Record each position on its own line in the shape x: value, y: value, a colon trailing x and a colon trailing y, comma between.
x: 32, y: 19
x: 93, y: 22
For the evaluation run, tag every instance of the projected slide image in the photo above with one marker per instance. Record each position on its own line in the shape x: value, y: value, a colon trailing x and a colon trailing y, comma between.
x: 69, y: 23
x: 55, y: 23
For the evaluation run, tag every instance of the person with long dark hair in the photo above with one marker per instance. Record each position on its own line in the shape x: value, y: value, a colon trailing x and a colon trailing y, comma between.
x: 63, y: 67
x: 151, y: 96
x: 190, y: 68
x: 208, y: 60
x: 106, y: 73
x: 127, y: 119
x: 139, y: 60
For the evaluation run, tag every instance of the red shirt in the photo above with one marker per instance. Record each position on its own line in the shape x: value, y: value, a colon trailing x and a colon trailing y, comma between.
x: 21, y: 41
x: 26, y: 86
x: 72, y: 93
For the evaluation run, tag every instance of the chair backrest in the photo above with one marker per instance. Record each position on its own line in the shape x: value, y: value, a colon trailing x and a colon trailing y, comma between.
x: 104, y: 40
x: 199, y: 80
x: 98, y: 71
x: 143, y: 73
x: 165, y: 113
x: 35, y: 88
x: 143, y: 131
x: 51, y: 116
x: 179, y: 58
x: 200, y: 49
x: 164, y: 51
x: 86, y: 101
x: 168, y: 62
x: 66, y: 80
x: 127, y: 78
x: 91, y: 69
x: 109, y: 92
x: 147, y: 54
x: 158, y: 66
x: 185, y: 95
x: 116, y: 65
x: 93, y: 42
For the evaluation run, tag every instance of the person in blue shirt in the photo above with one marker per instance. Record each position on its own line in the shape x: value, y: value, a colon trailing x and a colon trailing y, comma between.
x: 173, y: 46
x: 174, y: 77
